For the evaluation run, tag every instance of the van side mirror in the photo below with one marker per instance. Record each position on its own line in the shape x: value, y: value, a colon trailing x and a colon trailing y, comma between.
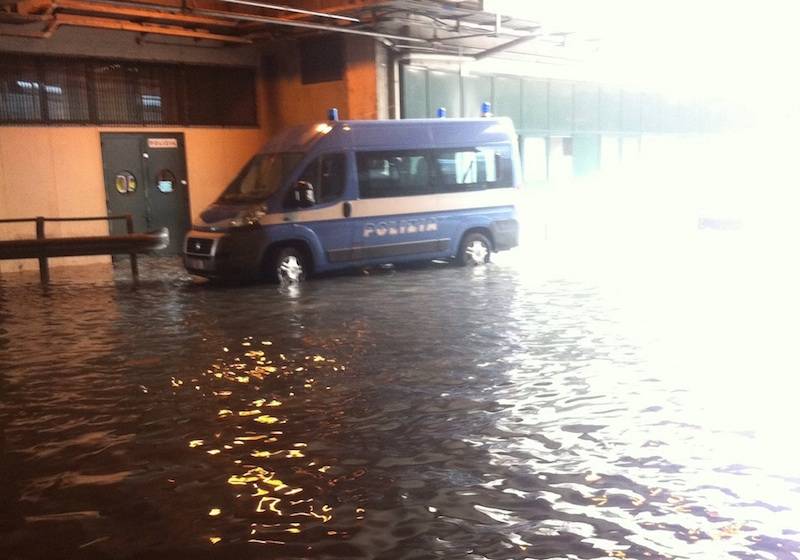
x: 302, y: 195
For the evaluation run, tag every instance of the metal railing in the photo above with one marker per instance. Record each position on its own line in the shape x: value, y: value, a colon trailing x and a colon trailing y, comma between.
x: 44, y: 268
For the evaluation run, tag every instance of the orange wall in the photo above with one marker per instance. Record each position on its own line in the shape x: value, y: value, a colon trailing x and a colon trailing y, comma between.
x: 291, y: 102
x: 361, y: 79
x: 213, y: 157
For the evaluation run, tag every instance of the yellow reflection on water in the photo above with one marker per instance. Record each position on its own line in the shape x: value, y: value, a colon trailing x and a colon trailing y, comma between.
x: 251, y: 438
x: 263, y: 465
x: 268, y: 503
x: 249, y: 412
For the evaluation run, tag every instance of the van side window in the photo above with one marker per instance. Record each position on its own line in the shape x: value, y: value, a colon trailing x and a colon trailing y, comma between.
x: 327, y: 174
x: 473, y: 168
x: 385, y: 174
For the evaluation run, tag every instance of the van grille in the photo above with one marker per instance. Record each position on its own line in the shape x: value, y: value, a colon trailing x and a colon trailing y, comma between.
x: 199, y: 246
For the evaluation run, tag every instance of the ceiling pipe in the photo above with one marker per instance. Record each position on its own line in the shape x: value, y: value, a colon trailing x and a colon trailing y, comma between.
x: 21, y: 19
x: 446, y: 57
x: 488, y: 29
x: 122, y: 25
x: 412, y: 57
x: 435, y: 57
x: 46, y: 34
x: 289, y: 9
x: 505, y: 46
x: 453, y: 9
x: 143, y: 5
x: 305, y: 25
x: 349, y: 6
x: 456, y: 15
x: 461, y: 37
x: 125, y: 9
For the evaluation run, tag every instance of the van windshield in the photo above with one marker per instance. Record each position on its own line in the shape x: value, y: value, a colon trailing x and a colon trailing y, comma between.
x: 260, y: 177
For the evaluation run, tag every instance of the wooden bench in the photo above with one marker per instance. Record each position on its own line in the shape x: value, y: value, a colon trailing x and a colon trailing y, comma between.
x: 43, y: 248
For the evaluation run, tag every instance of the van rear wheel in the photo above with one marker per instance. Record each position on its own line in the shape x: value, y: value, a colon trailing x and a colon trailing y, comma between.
x: 475, y: 250
x: 289, y: 266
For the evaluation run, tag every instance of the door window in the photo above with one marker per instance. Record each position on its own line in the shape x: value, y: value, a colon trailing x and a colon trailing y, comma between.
x: 165, y: 181
x: 124, y: 182
x: 326, y: 174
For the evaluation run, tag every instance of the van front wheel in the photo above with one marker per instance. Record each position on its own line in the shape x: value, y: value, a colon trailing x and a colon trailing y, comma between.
x: 475, y: 250
x: 289, y: 266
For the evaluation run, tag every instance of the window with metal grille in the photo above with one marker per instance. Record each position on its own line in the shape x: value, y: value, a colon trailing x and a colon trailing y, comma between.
x: 20, y: 95
x: 35, y: 89
x: 159, y: 92
x: 115, y: 92
x: 67, y: 91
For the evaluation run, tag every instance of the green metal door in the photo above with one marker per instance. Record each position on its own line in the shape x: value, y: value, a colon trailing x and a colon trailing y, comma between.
x: 145, y: 176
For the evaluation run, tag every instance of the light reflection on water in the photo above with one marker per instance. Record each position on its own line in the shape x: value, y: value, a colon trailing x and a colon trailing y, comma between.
x: 272, y: 475
x: 540, y: 408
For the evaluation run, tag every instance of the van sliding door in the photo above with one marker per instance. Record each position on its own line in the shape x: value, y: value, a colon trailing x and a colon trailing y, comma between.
x: 395, y: 215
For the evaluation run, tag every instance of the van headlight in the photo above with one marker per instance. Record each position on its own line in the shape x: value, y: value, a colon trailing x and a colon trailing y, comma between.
x: 249, y: 217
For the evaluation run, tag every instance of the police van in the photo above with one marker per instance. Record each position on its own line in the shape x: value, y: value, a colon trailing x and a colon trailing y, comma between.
x: 339, y: 194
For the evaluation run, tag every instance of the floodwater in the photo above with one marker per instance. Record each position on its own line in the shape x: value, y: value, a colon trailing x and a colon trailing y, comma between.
x: 546, y: 406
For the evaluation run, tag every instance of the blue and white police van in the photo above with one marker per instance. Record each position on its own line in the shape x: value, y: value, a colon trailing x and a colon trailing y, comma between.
x: 339, y: 194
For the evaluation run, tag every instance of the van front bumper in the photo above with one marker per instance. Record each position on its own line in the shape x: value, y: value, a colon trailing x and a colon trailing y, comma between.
x: 214, y: 254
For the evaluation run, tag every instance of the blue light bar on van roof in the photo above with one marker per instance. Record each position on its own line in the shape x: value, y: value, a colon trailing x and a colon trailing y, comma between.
x: 441, y: 113
x: 486, y: 109
x: 333, y: 114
